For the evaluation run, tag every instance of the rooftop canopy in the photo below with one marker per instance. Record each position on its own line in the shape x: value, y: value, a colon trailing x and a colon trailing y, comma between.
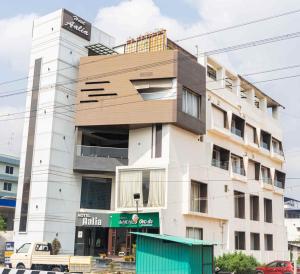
x: 182, y: 240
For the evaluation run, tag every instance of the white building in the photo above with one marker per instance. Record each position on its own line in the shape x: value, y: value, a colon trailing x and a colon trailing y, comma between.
x: 203, y: 152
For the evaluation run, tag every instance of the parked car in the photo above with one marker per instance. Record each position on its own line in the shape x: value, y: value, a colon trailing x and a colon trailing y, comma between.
x: 277, y: 267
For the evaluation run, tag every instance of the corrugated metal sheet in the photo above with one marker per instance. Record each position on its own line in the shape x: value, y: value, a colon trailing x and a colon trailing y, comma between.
x: 158, y: 254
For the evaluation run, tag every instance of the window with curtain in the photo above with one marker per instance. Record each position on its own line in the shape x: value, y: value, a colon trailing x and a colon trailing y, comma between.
x: 190, y: 103
x: 198, y: 197
x: 219, y: 117
x: 149, y: 183
x: 194, y: 233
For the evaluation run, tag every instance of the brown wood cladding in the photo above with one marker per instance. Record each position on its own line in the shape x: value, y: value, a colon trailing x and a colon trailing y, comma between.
x: 115, y: 73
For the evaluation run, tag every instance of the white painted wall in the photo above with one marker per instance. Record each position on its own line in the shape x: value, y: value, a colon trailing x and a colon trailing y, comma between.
x: 55, y: 189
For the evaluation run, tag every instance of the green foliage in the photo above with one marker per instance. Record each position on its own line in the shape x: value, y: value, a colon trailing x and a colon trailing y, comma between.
x: 56, y: 246
x: 2, y: 223
x: 298, y: 261
x: 237, y: 262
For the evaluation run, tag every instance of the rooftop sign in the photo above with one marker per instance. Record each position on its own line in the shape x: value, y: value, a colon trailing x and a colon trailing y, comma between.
x: 76, y: 25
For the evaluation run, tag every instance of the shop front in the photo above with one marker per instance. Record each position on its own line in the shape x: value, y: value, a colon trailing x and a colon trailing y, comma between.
x: 110, y: 234
x: 121, y: 225
x: 91, y: 236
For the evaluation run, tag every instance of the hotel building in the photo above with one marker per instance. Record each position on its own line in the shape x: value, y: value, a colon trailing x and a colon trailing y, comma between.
x: 200, y: 145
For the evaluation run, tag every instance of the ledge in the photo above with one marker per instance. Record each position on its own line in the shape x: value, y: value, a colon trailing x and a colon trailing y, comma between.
x: 239, y: 177
x: 252, y: 146
x: 267, y: 186
x: 220, y: 131
x: 203, y: 215
x: 277, y: 157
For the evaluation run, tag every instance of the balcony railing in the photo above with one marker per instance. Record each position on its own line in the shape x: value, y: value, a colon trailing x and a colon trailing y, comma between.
x: 104, y: 152
x: 236, y: 131
x: 267, y: 180
x: 238, y: 170
x: 279, y: 184
x: 219, y: 164
x: 265, y: 145
x: 278, y: 151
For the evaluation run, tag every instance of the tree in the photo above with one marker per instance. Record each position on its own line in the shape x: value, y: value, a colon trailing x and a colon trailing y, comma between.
x: 56, y: 246
x: 237, y: 262
x: 2, y: 223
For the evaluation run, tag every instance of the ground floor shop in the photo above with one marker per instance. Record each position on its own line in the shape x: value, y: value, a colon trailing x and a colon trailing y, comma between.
x: 101, y: 234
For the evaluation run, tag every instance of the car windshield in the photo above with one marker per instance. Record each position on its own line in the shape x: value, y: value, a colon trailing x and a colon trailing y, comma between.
x: 24, y: 248
x: 273, y: 264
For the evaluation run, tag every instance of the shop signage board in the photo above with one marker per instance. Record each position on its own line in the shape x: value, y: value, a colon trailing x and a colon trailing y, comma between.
x: 76, y: 25
x: 134, y: 220
x: 89, y: 219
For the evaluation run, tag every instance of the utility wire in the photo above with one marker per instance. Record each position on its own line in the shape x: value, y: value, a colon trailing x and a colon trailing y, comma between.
x: 239, y: 25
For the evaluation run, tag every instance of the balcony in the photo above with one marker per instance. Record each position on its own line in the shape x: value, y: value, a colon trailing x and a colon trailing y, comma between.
x: 99, y: 159
x: 237, y: 132
x: 219, y: 164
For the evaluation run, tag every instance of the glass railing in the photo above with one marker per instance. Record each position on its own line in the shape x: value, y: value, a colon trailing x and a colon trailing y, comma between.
x: 279, y: 184
x: 238, y: 170
x: 265, y: 145
x: 278, y: 151
x: 219, y: 164
x: 236, y: 131
x: 105, y: 152
x: 267, y: 180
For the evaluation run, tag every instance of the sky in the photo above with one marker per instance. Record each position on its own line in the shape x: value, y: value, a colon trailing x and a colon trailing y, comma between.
x: 181, y: 18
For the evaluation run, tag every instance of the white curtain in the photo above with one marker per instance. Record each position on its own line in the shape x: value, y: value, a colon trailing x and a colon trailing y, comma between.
x: 130, y: 182
x: 218, y: 117
x: 156, y: 188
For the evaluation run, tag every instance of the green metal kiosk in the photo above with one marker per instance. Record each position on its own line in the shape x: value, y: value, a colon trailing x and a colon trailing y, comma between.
x: 157, y: 253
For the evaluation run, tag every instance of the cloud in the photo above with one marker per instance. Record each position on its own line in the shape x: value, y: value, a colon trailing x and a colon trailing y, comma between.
x: 15, y: 33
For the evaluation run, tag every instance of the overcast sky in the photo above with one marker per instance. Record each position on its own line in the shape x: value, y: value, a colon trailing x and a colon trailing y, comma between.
x: 181, y: 18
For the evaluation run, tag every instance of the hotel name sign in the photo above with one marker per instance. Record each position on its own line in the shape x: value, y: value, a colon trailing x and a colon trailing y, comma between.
x: 76, y: 25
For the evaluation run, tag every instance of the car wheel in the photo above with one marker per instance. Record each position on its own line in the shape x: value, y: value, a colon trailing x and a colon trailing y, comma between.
x: 20, y: 266
x: 56, y: 269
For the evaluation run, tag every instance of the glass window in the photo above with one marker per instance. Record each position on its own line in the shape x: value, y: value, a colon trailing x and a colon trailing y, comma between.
x: 42, y: 247
x: 198, y: 197
x: 268, y: 242
x: 194, y: 233
x: 240, y: 241
x: 150, y: 184
x: 268, y: 210
x: 9, y: 170
x: 95, y: 193
x: 237, y: 164
x: 24, y: 248
x: 211, y: 73
x: 191, y: 103
x: 219, y: 117
x: 220, y: 157
x: 239, y: 204
x: 7, y: 186
x: 255, y: 241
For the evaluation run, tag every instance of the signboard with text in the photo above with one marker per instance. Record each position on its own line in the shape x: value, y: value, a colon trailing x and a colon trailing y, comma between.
x: 89, y: 219
x: 134, y: 220
x: 76, y: 25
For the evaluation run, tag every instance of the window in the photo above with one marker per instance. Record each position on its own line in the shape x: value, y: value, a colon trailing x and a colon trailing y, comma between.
x: 237, y: 164
x: 194, y: 233
x: 268, y: 242
x: 7, y: 186
x: 266, y: 175
x: 228, y: 82
x: 237, y: 126
x: 220, y: 157
x: 253, y: 171
x: 190, y: 103
x: 95, y: 193
x: 149, y: 183
x: 268, y: 210
x: 198, y: 197
x: 219, y: 117
x: 254, y: 208
x: 251, y: 134
x: 42, y: 247
x: 273, y: 264
x: 9, y: 170
x: 265, y: 140
x: 279, y: 179
x: 24, y: 248
x: 277, y: 146
x: 239, y: 239
x: 158, y: 140
x: 254, y: 241
x: 211, y: 73
x: 239, y: 204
